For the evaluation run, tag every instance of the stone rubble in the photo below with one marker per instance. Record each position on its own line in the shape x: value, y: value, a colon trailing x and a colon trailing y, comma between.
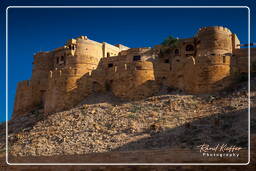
x: 162, y: 121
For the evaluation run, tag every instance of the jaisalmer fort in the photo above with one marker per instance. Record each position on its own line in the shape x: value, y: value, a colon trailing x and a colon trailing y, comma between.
x: 206, y: 63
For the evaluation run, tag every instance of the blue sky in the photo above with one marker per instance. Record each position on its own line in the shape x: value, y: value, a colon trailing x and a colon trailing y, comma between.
x: 33, y: 30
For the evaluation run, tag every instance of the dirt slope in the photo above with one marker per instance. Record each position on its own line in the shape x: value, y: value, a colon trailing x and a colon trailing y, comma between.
x: 102, y: 123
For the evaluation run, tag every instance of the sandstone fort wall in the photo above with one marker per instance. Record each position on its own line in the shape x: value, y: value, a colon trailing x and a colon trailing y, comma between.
x: 62, y: 78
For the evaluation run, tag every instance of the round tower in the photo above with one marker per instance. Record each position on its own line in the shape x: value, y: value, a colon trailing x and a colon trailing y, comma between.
x: 83, y: 54
x: 135, y: 82
x: 77, y: 58
x: 214, y: 40
x: 212, y: 62
x: 62, y: 85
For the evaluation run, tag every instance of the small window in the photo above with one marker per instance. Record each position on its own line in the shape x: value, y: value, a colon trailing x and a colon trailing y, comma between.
x: 136, y: 58
x: 189, y: 48
x: 224, y: 59
x: 108, y: 54
x: 110, y: 65
x: 176, y: 52
x: 58, y: 60
x: 177, y: 60
x: 166, y: 61
x: 62, y: 58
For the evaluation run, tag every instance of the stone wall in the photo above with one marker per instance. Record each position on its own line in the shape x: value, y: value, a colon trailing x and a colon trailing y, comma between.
x: 202, y: 64
x: 23, y: 99
x: 240, y: 60
x: 110, y: 50
x: 53, y: 84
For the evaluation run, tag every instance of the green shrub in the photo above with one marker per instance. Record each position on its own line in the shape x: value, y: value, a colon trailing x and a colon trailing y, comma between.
x: 170, y: 41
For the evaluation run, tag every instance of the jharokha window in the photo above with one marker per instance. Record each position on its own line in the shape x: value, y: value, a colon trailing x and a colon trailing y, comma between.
x: 189, y: 48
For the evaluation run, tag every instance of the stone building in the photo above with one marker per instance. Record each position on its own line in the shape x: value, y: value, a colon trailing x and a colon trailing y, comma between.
x: 206, y: 63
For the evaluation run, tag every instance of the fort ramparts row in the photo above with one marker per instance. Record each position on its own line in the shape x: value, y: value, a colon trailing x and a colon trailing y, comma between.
x: 206, y: 63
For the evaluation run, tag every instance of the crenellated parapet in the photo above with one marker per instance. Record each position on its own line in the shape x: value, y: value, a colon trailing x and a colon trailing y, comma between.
x: 214, y: 29
x: 214, y: 40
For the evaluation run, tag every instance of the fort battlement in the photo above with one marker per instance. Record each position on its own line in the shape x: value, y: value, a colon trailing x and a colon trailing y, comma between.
x: 214, y: 28
x: 63, y: 77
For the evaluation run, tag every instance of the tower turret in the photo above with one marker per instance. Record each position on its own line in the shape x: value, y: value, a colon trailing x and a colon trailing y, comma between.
x: 212, y: 63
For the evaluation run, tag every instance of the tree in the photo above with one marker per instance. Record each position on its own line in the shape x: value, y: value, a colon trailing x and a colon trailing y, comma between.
x: 170, y: 42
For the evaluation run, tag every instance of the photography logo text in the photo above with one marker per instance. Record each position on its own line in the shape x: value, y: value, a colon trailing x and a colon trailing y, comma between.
x: 219, y: 150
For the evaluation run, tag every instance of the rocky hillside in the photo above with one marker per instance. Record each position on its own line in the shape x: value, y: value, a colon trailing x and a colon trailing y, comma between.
x: 103, y: 123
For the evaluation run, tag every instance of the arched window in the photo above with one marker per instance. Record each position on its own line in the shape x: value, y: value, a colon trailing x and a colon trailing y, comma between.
x: 189, y: 48
x: 108, y: 54
x: 176, y: 52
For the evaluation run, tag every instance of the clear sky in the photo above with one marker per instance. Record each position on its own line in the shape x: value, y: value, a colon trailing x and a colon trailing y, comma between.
x: 33, y: 30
